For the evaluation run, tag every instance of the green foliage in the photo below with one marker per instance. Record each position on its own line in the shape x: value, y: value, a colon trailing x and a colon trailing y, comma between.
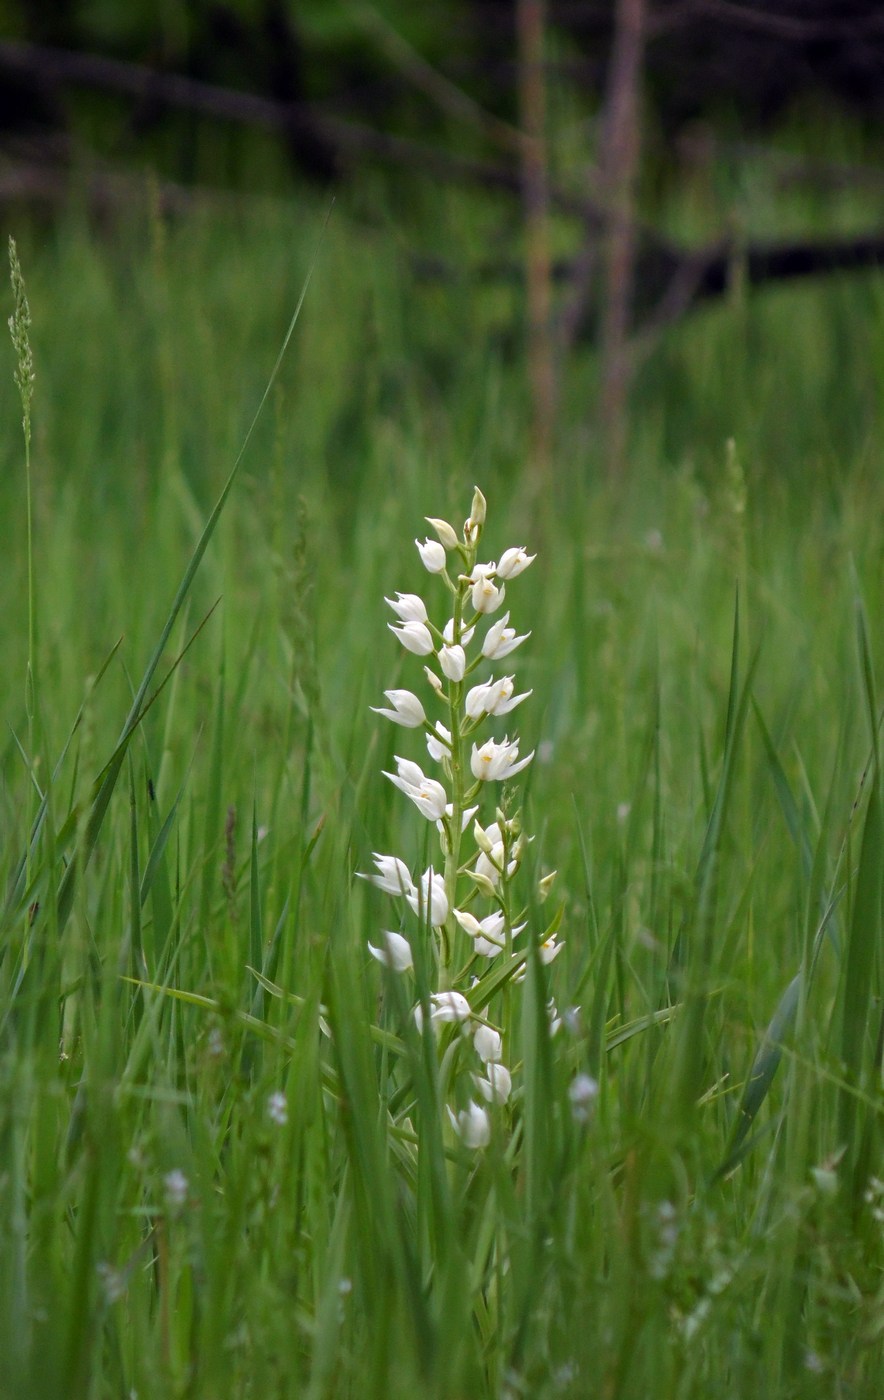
x: 183, y: 940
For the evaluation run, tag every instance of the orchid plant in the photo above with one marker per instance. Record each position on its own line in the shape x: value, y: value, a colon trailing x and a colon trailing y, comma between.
x: 466, y: 909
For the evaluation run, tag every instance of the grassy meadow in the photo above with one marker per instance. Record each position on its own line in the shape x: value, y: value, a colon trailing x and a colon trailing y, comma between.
x: 225, y: 1170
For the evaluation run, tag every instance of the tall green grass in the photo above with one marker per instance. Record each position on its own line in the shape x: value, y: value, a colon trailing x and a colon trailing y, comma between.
x: 182, y: 935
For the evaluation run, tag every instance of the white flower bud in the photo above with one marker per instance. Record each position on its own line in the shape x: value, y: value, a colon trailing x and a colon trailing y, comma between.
x: 434, y: 680
x: 478, y: 507
x: 414, y: 636
x: 482, y: 839
x: 472, y: 1125
x: 439, y: 748
x: 396, y: 953
x: 498, y: 1085
x: 432, y: 555
x: 408, y: 607
x: 453, y: 662
x: 407, y: 709
x: 393, y: 875
x: 466, y: 635
x: 431, y: 899
x: 546, y: 885
x: 446, y: 533
x: 488, y: 1043
x: 483, y: 884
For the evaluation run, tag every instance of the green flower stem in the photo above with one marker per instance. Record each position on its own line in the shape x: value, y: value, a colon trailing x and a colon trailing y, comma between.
x: 457, y: 723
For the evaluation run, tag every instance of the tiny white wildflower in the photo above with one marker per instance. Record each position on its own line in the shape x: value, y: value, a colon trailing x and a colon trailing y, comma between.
x: 175, y: 1186
x: 278, y: 1108
x: 583, y: 1092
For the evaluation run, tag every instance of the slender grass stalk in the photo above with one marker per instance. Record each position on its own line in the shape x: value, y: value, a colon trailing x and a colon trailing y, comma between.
x: 25, y: 375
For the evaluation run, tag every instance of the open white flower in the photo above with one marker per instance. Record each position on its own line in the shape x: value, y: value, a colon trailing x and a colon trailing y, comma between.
x: 547, y: 951
x: 445, y: 1007
x: 487, y: 933
x: 486, y: 596
x: 496, y: 762
x: 550, y: 950
x: 408, y: 607
x: 498, y: 1084
x: 415, y: 636
x: 472, y: 1125
x: 428, y: 796
x: 466, y: 635
x: 407, y: 709
x: 513, y: 562
x: 493, y: 698
x: 466, y: 816
x: 430, y: 899
x: 500, y: 640
x: 432, y: 555
x: 395, y: 954
x: 393, y: 875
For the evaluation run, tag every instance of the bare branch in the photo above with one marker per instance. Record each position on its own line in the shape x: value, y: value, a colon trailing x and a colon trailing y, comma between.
x: 353, y: 141
x: 620, y: 163
x: 535, y: 200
